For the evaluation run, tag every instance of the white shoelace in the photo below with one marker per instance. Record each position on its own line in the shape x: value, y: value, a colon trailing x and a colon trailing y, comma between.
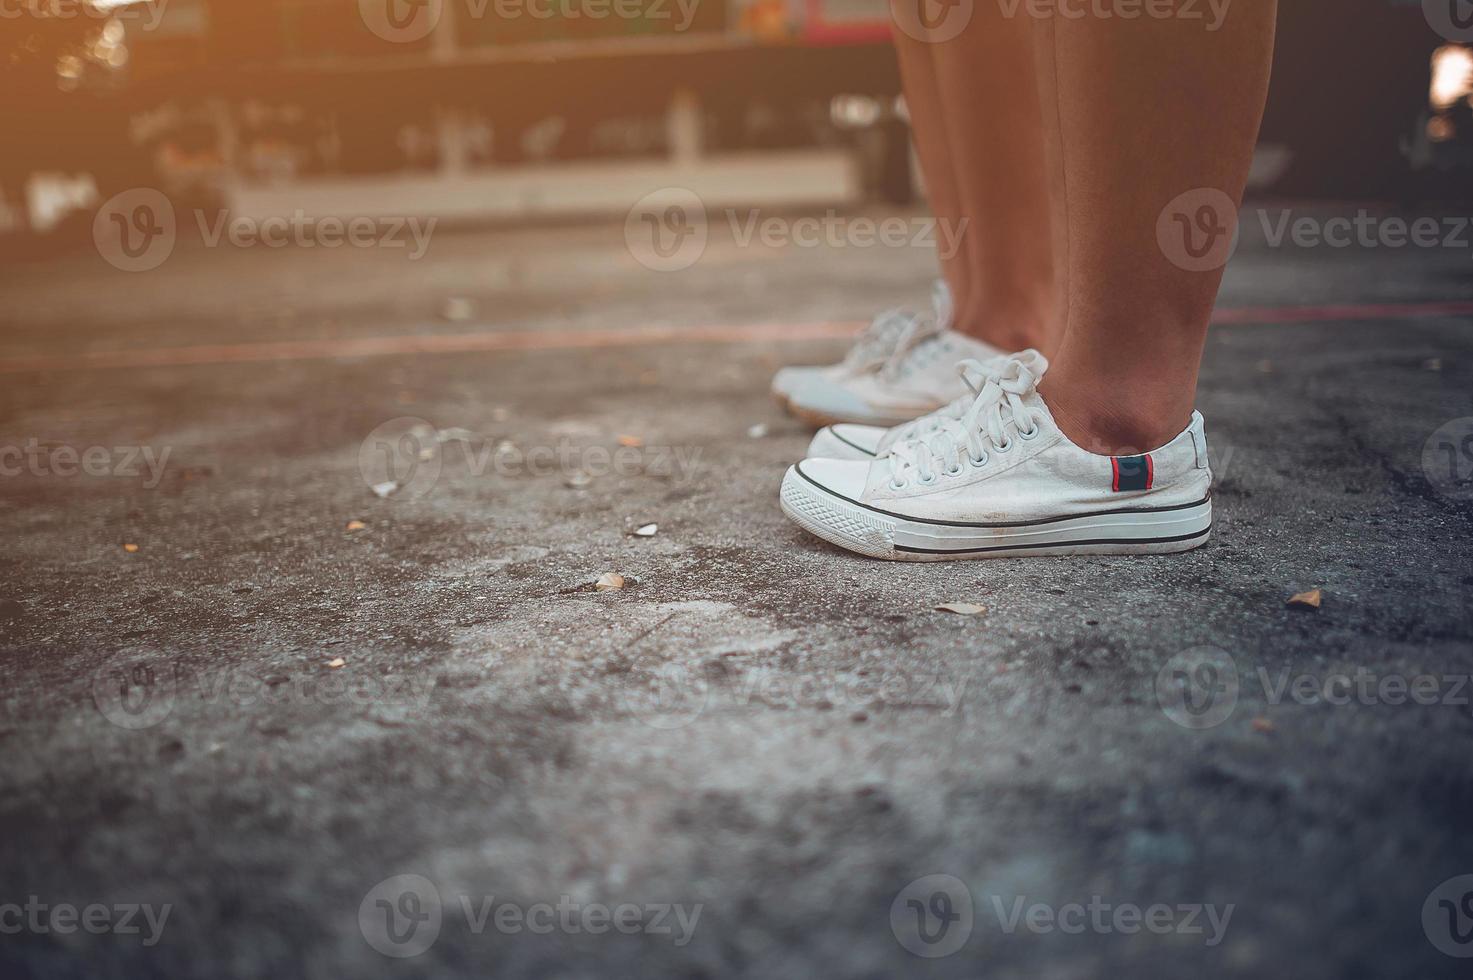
x: 879, y: 340
x: 894, y: 335
x: 920, y: 332
x: 998, y: 393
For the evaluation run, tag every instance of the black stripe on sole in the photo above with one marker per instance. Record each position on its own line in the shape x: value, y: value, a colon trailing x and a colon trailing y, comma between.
x: 1046, y: 520
x: 1054, y: 544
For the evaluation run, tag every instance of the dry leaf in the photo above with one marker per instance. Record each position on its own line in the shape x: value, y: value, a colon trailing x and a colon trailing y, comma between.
x: 130, y: 548
x: 1263, y: 725
x: 631, y: 441
x: 648, y: 531
x: 385, y: 488
x: 961, y: 608
x: 609, y: 581
x: 1307, y: 600
x: 356, y: 526
x: 336, y: 662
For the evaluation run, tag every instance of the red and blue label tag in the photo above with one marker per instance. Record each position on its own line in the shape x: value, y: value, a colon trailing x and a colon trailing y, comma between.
x: 1132, y: 473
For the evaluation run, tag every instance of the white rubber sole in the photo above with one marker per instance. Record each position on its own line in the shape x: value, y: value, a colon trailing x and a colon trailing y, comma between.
x: 880, y: 534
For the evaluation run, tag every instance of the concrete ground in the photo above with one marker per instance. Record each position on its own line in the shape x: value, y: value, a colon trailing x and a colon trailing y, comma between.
x: 226, y: 697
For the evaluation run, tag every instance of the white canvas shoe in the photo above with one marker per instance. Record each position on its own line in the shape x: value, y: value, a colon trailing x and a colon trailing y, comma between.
x: 1004, y: 481
x: 900, y: 368
x: 849, y: 441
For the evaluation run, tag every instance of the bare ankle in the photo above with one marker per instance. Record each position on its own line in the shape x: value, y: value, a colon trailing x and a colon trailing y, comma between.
x: 1107, y: 425
x: 1007, y: 331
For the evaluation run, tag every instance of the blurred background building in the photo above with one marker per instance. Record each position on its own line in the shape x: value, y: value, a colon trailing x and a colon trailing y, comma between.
x: 517, y: 109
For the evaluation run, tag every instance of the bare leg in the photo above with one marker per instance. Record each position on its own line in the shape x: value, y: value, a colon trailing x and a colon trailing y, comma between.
x: 928, y: 130
x: 994, y: 128
x: 1137, y: 113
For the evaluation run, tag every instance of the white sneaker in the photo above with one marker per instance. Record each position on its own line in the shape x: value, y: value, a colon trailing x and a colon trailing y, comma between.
x: 1003, y: 481
x: 872, y: 349
x: 900, y: 368
x: 849, y: 441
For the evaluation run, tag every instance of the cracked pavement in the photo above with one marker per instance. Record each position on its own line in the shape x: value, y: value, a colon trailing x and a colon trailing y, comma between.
x: 259, y: 715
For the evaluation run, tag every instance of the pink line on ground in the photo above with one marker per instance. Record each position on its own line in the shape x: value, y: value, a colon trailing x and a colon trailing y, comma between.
x: 532, y: 340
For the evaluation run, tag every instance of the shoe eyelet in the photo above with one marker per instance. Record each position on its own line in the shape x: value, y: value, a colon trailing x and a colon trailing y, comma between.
x: 955, y: 470
x: 897, y: 487
x: 1003, y: 447
x: 978, y: 461
x: 1031, y: 433
x: 928, y: 481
